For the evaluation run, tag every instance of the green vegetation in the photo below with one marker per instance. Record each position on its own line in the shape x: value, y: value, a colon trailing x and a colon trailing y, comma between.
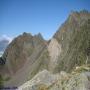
x: 77, y: 48
x: 1, y: 81
x: 43, y: 87
x: 80, y: 69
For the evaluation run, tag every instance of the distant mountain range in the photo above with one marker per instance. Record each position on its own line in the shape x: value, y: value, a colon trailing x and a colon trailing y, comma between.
x: 3, y: 44
x: 61, y: 63
x: 4, y: 41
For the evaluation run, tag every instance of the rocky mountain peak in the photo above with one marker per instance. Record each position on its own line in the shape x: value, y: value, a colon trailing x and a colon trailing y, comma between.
x: 39, y: 35
x: 26, y: 34
x: 18, y: 51
x: 79, y: 17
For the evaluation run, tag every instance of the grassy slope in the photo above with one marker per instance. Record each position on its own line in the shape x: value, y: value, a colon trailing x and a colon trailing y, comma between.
x: 76, y: 45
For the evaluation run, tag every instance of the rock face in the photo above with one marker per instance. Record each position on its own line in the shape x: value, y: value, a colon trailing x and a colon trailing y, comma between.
x: 27, y: 55
x: 79, y: 82
x: 42, y: 78
x: 47, y: 81
x: 74, y: 38
x: 54, y: 49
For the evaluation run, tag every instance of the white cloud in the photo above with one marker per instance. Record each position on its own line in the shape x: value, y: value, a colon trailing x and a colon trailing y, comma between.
x: 5, y: 37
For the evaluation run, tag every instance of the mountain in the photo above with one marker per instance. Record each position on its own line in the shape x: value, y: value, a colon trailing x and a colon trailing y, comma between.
x: 74, y: 38
x: 4, y: 41
x: 3, y: 44
x: 24, y: 57
x: 28, y: 57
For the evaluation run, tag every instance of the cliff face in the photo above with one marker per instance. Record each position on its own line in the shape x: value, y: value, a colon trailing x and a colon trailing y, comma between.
x: 74, y: 37
x: 26, y: 55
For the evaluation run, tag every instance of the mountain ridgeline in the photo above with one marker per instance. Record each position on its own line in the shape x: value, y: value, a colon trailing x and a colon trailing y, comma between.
x: 74, y: 37
x: 27, y: 55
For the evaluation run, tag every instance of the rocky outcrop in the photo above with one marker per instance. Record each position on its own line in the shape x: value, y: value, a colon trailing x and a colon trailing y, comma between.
x: 79, y: 82
x: 54, y: 49
x: 63, y: 81
x: 42, y: 78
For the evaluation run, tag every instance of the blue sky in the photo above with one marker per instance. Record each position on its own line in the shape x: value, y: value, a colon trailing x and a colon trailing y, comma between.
x: 34, y: 16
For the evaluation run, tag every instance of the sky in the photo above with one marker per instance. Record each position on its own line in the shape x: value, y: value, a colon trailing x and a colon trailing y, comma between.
x: 34, y: 16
